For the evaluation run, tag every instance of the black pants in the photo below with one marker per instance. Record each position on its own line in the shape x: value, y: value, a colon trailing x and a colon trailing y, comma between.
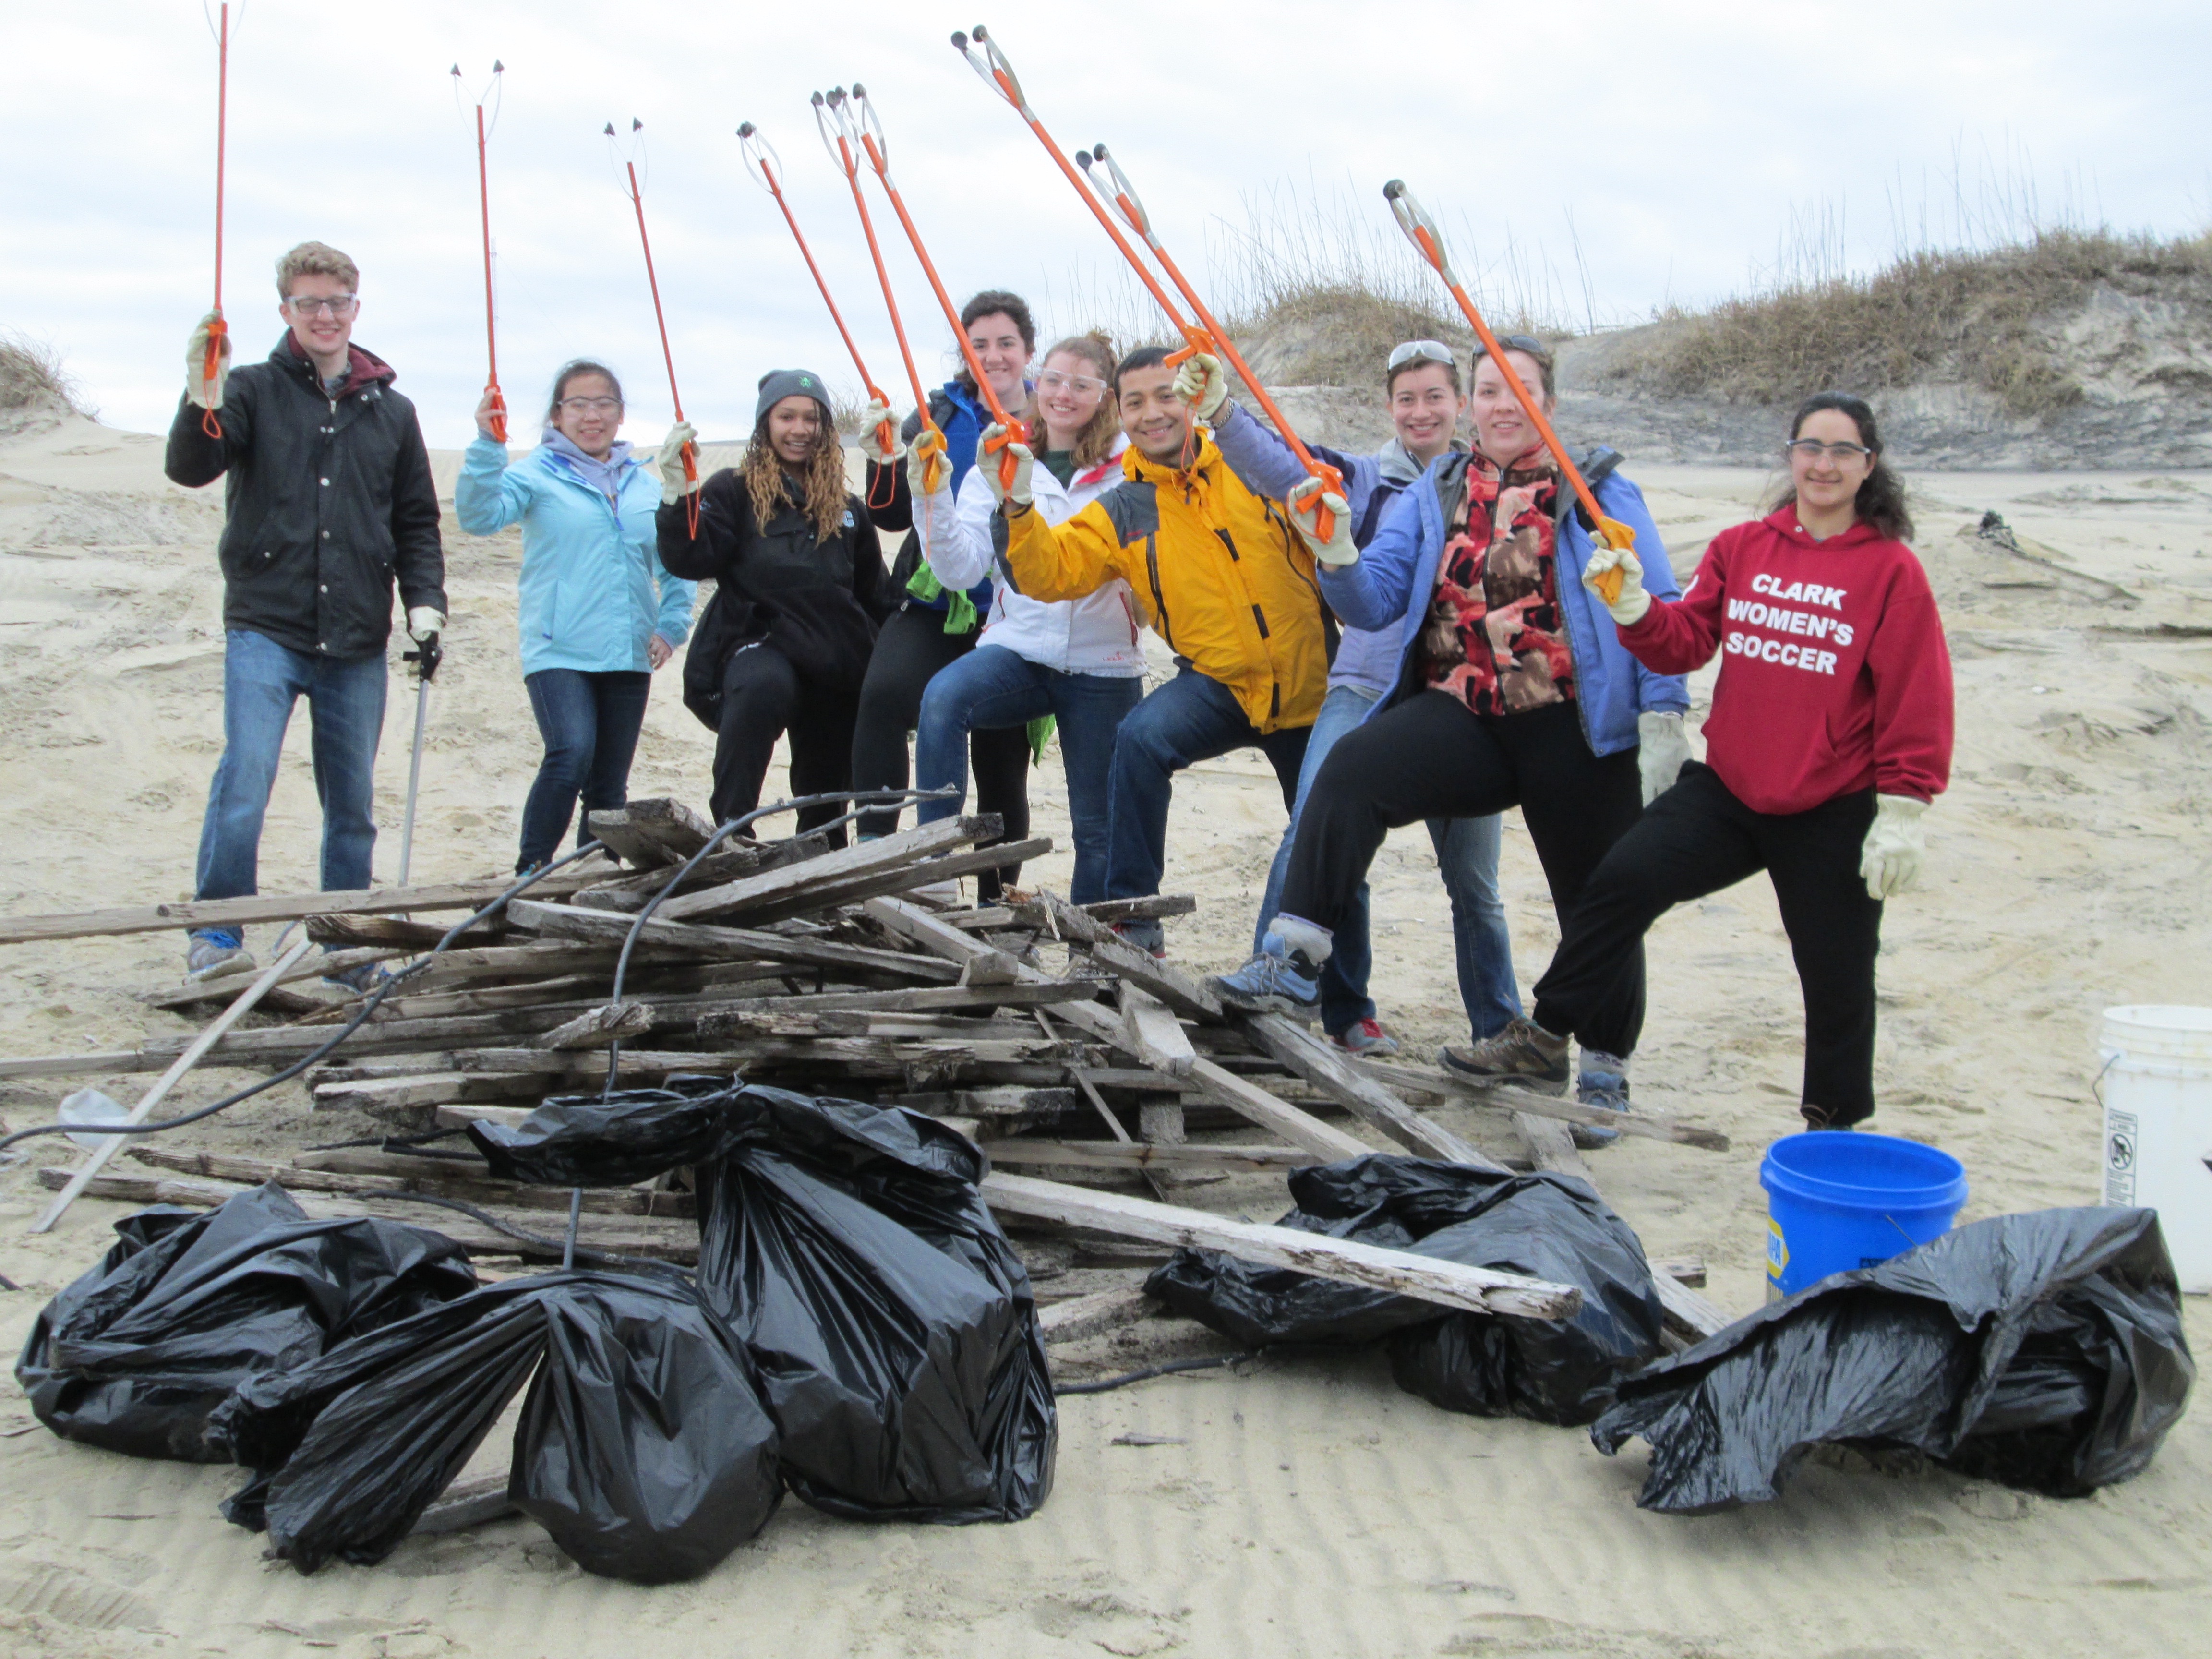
x: 911, y: 649
x: 762, y: 697
x: 1431, y: 756
x: 1696, y: 839
x: 590, y: 723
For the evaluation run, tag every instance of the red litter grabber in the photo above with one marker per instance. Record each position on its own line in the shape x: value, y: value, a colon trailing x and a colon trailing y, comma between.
x: 856, y: 118
x: 217, y: 330
x: 765, y: 165
x: 999, y: 75
x: 1421, y: 231
x: 637, y: 201
x: 483, y: 203
x: 830, y: 120
x: 1124, y: 197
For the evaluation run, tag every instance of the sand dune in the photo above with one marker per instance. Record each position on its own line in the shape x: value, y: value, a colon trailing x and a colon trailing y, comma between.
x: 1306, y: 1507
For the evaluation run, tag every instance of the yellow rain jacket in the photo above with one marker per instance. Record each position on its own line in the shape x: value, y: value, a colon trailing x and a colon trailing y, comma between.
x: 1218, y: 571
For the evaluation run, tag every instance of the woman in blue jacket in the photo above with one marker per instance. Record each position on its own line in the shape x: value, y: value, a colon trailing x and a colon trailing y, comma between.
x: 598, y: 612
x: 1511, y: 688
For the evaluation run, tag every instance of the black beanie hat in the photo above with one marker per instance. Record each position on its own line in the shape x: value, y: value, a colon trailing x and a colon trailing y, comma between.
x: 781, y: 383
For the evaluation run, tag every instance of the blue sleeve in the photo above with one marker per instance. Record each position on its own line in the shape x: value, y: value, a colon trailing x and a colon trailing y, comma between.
x: 488, y: 497
x: 1268, y: 467
x: 1661, y: 694
x: 1374, y: 590
x: 676, y: 596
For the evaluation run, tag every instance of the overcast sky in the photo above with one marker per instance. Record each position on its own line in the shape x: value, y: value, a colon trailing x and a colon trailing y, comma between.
x: 1675, y: 146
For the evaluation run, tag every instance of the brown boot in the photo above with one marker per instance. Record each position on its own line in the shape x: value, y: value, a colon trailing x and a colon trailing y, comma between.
x: 1524, y: 1052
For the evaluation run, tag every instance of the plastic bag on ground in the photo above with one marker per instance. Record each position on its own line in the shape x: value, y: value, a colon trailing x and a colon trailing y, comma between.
x: 891, y: 1323
x: 643, y: 1446
x: 2043, y: 1350
x: 1549, y: 1226
x: 633, y: 1134
x: 188, y: 1303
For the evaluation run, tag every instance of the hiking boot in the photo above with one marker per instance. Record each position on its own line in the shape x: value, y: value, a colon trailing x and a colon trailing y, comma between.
x: 1365, y: 1036
x: 360, y: 979
x: 213, y: 952
x: 1148, y: 936
x: 1524, y: 1052
x: 1601, y: 1082
x: 1276, y: 980
x: 1817, y: 1118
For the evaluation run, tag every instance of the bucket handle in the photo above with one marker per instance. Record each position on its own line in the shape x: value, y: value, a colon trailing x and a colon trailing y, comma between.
x: 2096, y: 1083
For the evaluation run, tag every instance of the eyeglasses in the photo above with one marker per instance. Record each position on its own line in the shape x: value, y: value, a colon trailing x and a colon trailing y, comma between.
x: 590, y: 405
x: 339, y: 305
x: 1527, y: 343
x: 1421, y: 352
x: 1053, y: 380
x: 1812, y: 449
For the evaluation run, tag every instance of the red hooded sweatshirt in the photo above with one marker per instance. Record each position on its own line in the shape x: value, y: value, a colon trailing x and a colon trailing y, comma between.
x: 1836, y: 675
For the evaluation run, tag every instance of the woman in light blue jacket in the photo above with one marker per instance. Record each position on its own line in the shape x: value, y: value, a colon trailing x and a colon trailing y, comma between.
x: 599, y: 613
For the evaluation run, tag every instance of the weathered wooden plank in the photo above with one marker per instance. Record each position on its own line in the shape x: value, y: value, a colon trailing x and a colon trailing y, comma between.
x: 479, y: 1189
x: 1478, y: 1290
x: 609, y: 927
x: 475, y: 1502
x: 381, y: 1095
x: 239, y: 911
x: 949, y: 998
x: 1154, y: 1035
x: 1347, y: 1082
x: 1082, y: 1316
x: 1141, y: 1155
x: 902, y: 880
x: 617, y: 1022
x: 390, y: 931
x: 863, y: 858
x: 1504, y: 1097
x: 1110, y: 949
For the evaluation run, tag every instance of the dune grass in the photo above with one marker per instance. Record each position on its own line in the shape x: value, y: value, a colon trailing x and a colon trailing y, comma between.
x: 31, y: 379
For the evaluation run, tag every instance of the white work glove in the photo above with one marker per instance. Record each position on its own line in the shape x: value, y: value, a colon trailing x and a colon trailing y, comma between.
x: 1306, y: 502
x: 1662, y: 747
x: 1200, y: 383
x: 1628, y: 606
x: 1895, y: 844
x: 674, y: 486
x: 879, y: 439
x: 206, y: 393
x: 928, y: 445
x: 1017, y: 493
x: 423, y: 621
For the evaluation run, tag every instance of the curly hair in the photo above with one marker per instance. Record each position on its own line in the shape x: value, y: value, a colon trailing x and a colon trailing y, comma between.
x: 818, y: 487
x: 1880, y: 498
x: 1096, y: 441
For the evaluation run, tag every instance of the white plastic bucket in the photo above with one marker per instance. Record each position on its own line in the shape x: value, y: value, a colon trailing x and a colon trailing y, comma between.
x: 2156, y: 1085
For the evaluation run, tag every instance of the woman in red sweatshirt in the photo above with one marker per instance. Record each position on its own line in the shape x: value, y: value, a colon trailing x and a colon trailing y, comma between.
x: 1830, y: 733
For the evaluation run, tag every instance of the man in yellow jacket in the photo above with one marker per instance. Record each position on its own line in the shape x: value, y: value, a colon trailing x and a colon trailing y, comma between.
x: 1219, y: 574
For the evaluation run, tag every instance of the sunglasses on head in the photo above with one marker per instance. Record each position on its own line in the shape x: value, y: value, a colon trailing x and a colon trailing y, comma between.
x: 1421, y: 352
x: 1527, y: 343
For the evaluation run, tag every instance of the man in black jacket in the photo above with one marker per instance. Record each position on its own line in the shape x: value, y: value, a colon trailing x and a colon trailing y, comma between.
x: 330, y: 497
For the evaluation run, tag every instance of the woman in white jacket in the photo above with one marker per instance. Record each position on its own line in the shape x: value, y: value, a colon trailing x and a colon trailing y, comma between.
x: 1076, y: 662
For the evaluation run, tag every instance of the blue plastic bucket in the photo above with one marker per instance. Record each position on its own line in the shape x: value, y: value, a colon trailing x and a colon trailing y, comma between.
x: 1838, y: 1202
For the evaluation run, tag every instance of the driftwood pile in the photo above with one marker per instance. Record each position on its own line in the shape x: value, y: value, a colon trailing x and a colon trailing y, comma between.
x: 1030, y: 1025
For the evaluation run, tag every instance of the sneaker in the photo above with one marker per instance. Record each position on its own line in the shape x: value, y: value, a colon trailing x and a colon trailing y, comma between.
x: 1607, y: 1091
x: 1367, y: 1037
x: 1146, y: 936
x: 1817, y: 1118
x: 213, y: 952
x: 1276, y: 980
x: 1522, y: 1052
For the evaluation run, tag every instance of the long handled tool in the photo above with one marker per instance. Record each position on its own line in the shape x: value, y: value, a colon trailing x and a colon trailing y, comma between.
x: 765, y: 165
x: 856, y: 116
x: 426, y: 657
x: 483, y: 203
x: 1124, y: 197
x: 661, y: 320
x: 830, y: 122
x: 999, y: 75
x: 210, y: 423
x: 1421, y: 231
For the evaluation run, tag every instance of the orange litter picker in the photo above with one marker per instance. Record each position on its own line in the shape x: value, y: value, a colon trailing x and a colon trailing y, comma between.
x: 999, y: 75
x: 210, y: 423
x: 766, y: 166
x: 1421, y: 231
x: 637, y: 201
x: 830, y: 120
x: 483, y: 205
x: 1124, y: 197
x: 857, y: 120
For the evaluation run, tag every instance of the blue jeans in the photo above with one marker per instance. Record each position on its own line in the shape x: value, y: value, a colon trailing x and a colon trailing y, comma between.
x: 1190, y: 718
x: 590, y: 723
x: 991, y: 689
x: 261, y: 681
x: 1467, y: 858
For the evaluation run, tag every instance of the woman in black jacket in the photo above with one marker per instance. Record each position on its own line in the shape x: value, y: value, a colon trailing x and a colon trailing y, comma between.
x: 800, y: 593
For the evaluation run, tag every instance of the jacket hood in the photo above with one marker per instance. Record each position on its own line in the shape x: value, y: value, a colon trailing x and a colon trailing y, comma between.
x: 1398, y: 465
x: 1136, y: 464
x: 1784, y: 522
x: 363, y: 367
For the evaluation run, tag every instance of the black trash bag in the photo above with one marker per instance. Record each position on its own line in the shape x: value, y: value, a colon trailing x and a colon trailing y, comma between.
x: 632, y: 1135
x: 2044, y: 1350
x: 891, y: 1322
x: 189, y: 1303
x: 1547, y: 1226
x: 644, y: 1448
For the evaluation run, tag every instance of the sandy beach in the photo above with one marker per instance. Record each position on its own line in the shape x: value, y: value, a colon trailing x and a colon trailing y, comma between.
x: 1299, y: 1507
